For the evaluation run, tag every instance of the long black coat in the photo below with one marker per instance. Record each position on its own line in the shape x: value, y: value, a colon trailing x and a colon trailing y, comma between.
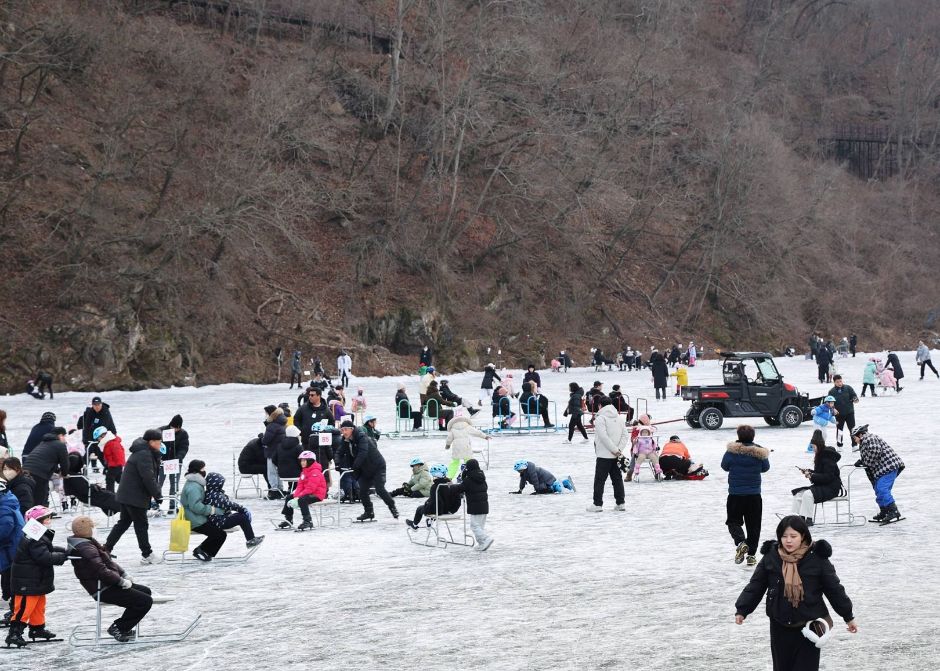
x: 659, y: 369
x: 139, y: 480
x: 308, y: 415
x: 367, y: 460
x: 826, y: 478
x: 176, y: 449
x: 287, y: 462
x: 33, y: 573
x: 49, y: 456
x: 473, y: 486
x: 818, y: 576
x: 488, y: 376
x: 274, y: 435
x: 251, y: 459
x: 36, y: 435
x: 91, y: 420
x: 895, y: 365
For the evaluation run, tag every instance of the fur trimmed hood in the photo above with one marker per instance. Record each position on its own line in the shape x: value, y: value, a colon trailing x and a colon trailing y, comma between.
x: 752, y: 450
x: 820, y: 548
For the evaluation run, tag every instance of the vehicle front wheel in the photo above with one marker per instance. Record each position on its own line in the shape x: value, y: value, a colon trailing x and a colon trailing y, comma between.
x: 711, y: 418
x: 691, y: 419
x: 772, y: 421
x: 790, y: 417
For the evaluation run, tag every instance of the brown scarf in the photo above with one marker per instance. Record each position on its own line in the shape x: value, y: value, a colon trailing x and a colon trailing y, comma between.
x: 792, y: 583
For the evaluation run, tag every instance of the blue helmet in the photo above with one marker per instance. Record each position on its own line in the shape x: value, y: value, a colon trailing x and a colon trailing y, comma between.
x: 369, y: 418
x: 439, y: 471
x: 100, y: 431
x: 520, y: 465
x: 417, y: 461
x: 431, y: 369
x: 829, y: 399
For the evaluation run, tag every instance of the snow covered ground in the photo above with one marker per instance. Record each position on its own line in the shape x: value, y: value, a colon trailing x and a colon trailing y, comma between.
x: 651, y: 588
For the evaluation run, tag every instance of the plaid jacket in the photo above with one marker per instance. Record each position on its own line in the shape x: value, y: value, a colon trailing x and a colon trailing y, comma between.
x: 878, y: 457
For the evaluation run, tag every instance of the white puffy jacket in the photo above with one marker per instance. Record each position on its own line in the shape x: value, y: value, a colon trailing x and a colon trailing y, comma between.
x: 611, y: 434
x: 459, y: 432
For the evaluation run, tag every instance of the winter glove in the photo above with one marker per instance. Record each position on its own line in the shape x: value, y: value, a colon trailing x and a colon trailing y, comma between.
x: 294, y: 503
x: 859, y: 464
x: 159, y: 501
x: 58, y: 558
x: 125, y: 583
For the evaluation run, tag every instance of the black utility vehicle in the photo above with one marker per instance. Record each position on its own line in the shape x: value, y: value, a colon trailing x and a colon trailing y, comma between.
x: 753, y: 387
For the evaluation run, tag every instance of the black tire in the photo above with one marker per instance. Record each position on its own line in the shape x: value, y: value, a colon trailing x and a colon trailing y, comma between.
x: 772, y: 421
x: 790, y: 416
x: 691, y: 419
x: 711, y: 419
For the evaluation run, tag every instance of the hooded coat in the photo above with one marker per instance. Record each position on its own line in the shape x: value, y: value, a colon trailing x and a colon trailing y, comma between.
x: 192, y: 501
x: 274, y: 433
x: 22, y: 488
x: 36, y: 436
x: 33, y: 573
x: 826, y: 478
x: 112, y: 449
x: 894, y: 364
x: 610, y: 433
x: 216, y: 497
x: 311, y: 482
x: 868, y: 376
x: 420, y: 481
x: 287, y: 452
x: 459, y: 432
x: 251, y: 459
x: 536, y: 476
x: 659, y: 369
x: 95, y: 564
x: 49, y: 456
x: 11, y: 528
x: 473, y: 486
x: 367, y: 460
x: 745, y: 462
x: 819, y: 579
x: 139, y: 481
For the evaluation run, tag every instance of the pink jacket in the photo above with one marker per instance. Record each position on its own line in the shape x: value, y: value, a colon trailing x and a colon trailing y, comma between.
x: 358, y: 403
x: 311, y: 482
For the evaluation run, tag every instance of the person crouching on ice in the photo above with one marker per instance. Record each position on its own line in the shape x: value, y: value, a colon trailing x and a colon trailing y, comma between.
x: 442, y: 499
x: 419, y: 486
x: 311, y: 488
x: 541, y: 480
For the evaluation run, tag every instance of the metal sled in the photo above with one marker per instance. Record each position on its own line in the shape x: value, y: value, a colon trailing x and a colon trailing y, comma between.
x: 403, y: 423
x: 180, y: 558
x: 90, y: 635
x: 842, y: 517
x: 238, y: 478
x: 433, y: 528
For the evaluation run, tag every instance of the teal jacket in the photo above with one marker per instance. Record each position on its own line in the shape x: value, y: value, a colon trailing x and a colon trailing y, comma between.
x: 191, y: 498
x: 868, y: 377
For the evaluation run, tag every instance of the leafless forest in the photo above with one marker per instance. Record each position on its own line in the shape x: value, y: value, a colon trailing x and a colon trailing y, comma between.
x: 186, y: 185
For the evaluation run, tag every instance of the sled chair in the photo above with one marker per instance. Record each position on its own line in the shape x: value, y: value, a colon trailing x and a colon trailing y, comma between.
x: 842, y: 503
x: 329, y: 507
x: 90, y: 635
x: 438, y: 532
x: 404, y: 423
x: 180, y: 558
x: 532, y: 418
x: 239, y: 478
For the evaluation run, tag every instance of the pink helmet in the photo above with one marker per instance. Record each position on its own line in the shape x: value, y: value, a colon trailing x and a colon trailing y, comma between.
x: 38, y: 513
x: 307, y: 454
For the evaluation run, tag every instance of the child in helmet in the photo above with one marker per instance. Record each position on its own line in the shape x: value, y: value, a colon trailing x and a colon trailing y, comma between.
x: 419, y: 485
x: 541, y: 480
x: 644, y: 449
x: 824, y: 416
x: 311, y: 488
x: 358, y: 406
x: 114, y: 456
x: 32, y: 579
x: 442, y: 499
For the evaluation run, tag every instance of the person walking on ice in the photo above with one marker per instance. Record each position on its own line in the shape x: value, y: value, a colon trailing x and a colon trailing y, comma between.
x: 611, y: 438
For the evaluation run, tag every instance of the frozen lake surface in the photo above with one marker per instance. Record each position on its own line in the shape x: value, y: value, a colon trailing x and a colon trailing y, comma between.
x: 651, y: 588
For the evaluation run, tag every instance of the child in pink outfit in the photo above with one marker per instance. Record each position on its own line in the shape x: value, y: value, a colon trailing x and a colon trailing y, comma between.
x: 358, y: 406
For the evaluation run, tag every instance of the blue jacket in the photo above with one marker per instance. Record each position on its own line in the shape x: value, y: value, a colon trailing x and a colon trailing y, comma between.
x: 744, y: 463
x: 11, y: 528
x: 823, y: 415
x: 536, y: 476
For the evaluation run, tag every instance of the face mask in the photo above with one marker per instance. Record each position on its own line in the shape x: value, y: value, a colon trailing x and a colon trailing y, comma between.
x: 9, y: 474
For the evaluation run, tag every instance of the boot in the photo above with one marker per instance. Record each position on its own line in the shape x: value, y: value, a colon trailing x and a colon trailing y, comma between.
x: 40, y: 633
x: 6, y: 619
x: 881, y: 515
x: 120, y: 636
x: 15, y: 635
x: 306, y: 524
x: 892, y: 514
x: 394, y: 512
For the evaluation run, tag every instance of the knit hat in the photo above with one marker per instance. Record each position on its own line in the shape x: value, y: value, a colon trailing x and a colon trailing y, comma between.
x: 176, y: 422
x: 347, y: 424
x: 292, y: 431
x: 83, y: 526
x: 268, y: 409
x: 48, y: 417
x: 152, y: 434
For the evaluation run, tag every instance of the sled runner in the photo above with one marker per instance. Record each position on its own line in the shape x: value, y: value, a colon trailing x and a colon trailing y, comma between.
x: 436, y: 526
x: 180, y: 558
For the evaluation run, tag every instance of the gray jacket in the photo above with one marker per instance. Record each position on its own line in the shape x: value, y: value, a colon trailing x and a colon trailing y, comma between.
x: 536, y: 476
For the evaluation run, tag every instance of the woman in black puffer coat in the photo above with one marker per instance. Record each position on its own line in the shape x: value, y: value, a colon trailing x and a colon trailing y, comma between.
x: 825, y: 478
x: 796, y: 574
x: 574, y: 411
x: 473, y: 486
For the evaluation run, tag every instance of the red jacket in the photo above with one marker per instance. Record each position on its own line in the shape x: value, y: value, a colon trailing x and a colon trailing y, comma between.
x: 311, y: 482
x: 113, y: 451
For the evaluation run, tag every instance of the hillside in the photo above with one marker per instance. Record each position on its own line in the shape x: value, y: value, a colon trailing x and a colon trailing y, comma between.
x: 185, y: 186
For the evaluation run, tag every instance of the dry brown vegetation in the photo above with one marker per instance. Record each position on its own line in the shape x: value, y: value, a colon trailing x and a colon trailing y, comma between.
x: 186, y: 185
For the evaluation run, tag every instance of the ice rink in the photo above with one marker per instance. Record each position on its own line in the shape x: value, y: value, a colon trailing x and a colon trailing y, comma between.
x: 650, y: 588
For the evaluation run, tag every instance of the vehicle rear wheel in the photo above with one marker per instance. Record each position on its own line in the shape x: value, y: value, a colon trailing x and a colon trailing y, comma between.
x: 772, y: 421
x: 790, y: 417
x: 691, y: 419
x: 711, y: 418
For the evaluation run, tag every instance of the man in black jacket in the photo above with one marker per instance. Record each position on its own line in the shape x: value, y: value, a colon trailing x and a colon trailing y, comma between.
x: 313, y: 411
x: 530, y: 376
x: 176, y: 450
x: 97, y: 414
x: 138, y: 486
x: 369, y: 469
x: 846, y: 398
x: 45, y: 425
x: 823, y: 359
x: 49, y: 457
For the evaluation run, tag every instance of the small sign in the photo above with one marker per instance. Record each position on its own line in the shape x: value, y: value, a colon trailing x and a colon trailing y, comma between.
x: 169, y: 436
x: 458, y: 411
x: 171, y: 467
x: 326, y: 439
x: 34, y: 529
x: 307, y: 373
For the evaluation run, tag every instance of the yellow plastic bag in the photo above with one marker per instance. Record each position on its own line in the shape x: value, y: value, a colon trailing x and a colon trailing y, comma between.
x: 180, y: 530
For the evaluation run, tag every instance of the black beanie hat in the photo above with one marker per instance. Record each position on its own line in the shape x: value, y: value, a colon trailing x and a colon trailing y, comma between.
x: 195, y: 466
x: 176, y: 422
x: 347, y: 424
x: 268, y: 409
x: 47, y: 417
x: 152, y: 434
